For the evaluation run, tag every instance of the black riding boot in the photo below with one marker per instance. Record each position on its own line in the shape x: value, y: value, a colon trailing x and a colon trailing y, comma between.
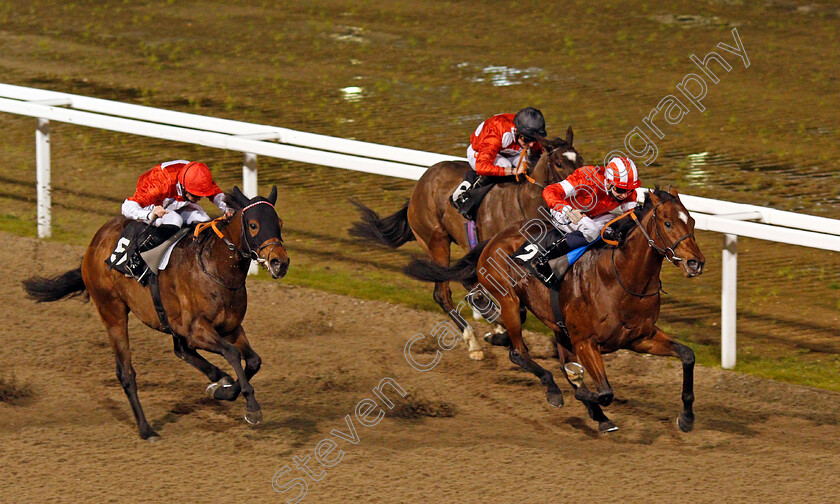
x: 153, y: 237
x: 473, y: 181
x: 541, y: 262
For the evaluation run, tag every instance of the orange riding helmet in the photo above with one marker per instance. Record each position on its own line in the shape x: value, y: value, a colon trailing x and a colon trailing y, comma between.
x: 196, y: 179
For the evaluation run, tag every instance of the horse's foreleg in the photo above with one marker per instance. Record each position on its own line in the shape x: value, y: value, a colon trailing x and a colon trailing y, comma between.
x: 439, y: 252
x: 662, y: 344
x: 585, y: 396
x: 115, y: 317
x: 589, y: 357
x: 189, y: 355
x: 253, y: 362
x: 204, y: 337
x: 519, y: 352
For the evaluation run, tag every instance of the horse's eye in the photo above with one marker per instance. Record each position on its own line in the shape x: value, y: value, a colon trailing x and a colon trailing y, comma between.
x: 668, y: 224
x: 253, y: 226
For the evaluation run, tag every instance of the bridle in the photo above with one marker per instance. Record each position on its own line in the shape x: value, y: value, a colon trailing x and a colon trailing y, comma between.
x: 252, y: 254
x: 668, y: 252
x: 249, y: 254
x: 552, y: 174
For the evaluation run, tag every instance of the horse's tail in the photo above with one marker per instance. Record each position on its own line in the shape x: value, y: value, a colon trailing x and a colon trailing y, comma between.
x: 462, y: 271
x: 392, y: 231
x: 44, y: 290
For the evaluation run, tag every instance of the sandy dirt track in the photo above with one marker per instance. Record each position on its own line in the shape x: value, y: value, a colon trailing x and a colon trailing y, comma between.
x: 75, y: 440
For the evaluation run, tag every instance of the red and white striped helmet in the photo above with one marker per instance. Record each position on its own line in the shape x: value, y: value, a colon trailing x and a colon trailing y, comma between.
x: 621, y: 172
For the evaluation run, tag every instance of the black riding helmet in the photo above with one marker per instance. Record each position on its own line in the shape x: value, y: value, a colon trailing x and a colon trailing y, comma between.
x: 530, y: 123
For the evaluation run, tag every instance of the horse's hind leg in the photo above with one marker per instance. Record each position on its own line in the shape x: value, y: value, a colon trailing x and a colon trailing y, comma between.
x: 189, y: 355
x: 115, y: 317
x: 585, y: 395
x: 519, y: 352
x: 662, y: 344
x: 439, y: 251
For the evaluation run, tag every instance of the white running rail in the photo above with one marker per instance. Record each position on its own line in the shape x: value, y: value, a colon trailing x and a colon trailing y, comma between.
x: 731, y: 219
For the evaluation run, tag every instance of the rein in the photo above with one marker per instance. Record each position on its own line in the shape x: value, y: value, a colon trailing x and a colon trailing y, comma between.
x: 667, y: 252
x: 250, y: 254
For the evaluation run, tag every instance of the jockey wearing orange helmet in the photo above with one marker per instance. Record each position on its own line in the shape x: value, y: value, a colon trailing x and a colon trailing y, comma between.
x: 168, y: 194
x: 166, y: 198
x: 583, y: 203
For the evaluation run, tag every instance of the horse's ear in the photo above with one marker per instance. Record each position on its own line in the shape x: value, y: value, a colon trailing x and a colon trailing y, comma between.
x: 570, y: 136
x: 673, y: 191
x: 240, y: 198
x: 272, y: 198
x: 651, y: 195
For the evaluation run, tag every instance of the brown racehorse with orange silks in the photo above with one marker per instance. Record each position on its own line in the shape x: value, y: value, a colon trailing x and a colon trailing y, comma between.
x: 429, y: 218
x: 609, y: 299
x: 203, y: 294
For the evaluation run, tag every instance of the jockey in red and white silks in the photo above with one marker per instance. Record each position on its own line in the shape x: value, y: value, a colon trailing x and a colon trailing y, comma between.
x: 591, y: 196
x: 168, y: 194
x: 496, y: 148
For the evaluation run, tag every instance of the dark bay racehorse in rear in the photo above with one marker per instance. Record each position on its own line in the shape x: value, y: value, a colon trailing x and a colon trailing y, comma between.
x: 202, y: 290
x: 609, y: 300
x: 429, y: 218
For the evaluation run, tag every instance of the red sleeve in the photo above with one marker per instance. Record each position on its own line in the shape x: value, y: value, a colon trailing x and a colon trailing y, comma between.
x: 555, y: 196
x: 485, y: 158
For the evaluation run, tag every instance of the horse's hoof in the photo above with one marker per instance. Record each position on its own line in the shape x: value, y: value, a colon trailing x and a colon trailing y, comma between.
x: 254, y: 417
x: 223, y: 382
x: 149, y: 435
x: 477, y: 355
x: 498, y: 339
x: 685, y: 423
x: 607, y: 426
x: 555, y: 399
x: 575, y: 373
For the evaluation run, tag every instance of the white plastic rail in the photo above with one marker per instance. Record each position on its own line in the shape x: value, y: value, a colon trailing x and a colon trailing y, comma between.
x: 252, y: 140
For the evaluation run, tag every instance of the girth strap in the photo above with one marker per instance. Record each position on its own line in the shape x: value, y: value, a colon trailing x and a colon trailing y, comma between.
x: 555, y: 309
x: 154, y: 288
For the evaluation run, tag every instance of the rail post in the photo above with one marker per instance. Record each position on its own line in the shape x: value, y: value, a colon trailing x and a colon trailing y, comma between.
x: 42, y: 163
x: 728, y: 301
x: 250, y: 188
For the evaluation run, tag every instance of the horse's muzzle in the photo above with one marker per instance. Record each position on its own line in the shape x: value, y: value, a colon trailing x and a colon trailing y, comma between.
x: 693, y: 268
x: 278, y: 268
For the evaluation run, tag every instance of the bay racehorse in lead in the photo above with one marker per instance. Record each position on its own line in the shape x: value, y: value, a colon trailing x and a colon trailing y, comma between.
x: 608, y: 300
x: 202, y: 291
x: 429, y: 218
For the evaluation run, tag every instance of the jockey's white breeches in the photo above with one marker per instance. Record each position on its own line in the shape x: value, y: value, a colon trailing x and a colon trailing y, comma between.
x: 507, y: 162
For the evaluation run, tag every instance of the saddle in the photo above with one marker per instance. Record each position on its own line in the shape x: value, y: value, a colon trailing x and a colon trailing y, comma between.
x: 143, y: 250
x: 529, y: 251
x: 471, y: 199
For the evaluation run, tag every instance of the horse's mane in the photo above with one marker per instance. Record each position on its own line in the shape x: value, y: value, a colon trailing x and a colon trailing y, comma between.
x: 626, y: 226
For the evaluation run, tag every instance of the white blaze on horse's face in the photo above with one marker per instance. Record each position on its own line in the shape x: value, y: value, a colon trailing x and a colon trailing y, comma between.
x: 571, y: 156
x: 683, y: 217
